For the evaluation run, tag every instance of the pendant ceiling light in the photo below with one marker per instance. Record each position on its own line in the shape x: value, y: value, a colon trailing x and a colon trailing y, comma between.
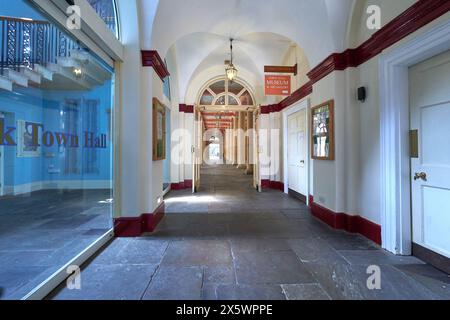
x: 230, y: 70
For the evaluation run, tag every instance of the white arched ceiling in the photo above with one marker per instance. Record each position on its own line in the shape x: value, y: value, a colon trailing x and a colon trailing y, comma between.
x: 200, y: 30
x: 199, y: 52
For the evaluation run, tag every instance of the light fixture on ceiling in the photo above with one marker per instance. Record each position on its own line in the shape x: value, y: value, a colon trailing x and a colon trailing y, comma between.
x: 230, y: 70
x: 78, y: 72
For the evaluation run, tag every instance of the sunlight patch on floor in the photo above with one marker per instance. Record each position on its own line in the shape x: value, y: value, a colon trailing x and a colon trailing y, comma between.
x: 192, y: 199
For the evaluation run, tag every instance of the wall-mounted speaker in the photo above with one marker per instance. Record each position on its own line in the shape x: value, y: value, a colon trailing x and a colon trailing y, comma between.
x: 362, y: 94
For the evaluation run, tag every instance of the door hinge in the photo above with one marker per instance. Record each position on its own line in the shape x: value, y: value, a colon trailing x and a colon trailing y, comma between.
x: 414, y: 143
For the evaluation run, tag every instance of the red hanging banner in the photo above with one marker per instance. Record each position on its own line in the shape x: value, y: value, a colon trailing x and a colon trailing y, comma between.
x: 277, y: 85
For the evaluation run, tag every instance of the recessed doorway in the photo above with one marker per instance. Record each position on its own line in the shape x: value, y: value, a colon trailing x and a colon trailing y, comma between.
x: 296, y: 151
x: 430, y: 160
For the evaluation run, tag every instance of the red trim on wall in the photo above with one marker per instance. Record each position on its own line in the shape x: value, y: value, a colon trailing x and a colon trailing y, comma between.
x: 187, y: 184
x: 151, y: 58
x: 275, y: 185
x: 186, y: 108
x: 349, y: 223
x: 136, y: 226
x: 411, y: 20
x: 265, y: 184
x: 335, y: 62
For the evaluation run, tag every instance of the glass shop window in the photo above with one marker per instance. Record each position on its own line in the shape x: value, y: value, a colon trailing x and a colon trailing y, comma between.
x: 56, y: 148
x: 107, y: 10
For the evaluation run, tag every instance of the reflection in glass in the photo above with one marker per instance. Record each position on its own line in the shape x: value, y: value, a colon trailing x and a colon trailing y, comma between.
x: 106, y: 10
x: 232, y: 101
x: 220, y: 101
x: 218, y: 92
x: 235, y: 87
x: 322, y: 131
x: 56, y: 195
x: 246, y: 99
x: 218, y: 87
x: 207, y: 98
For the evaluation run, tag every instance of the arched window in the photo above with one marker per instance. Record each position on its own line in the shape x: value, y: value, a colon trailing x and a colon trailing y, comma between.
x: 226, y: 93
x: 107, y: 10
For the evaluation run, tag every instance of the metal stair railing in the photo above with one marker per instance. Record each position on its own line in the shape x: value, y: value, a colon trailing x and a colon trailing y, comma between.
x: 26, y: 42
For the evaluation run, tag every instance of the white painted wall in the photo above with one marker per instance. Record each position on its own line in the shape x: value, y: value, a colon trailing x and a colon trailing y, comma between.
x: 129, y: 103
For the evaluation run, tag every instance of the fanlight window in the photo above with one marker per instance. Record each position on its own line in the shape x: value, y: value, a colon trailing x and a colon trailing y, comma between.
x: 107, y: 10
x: 224, y: 92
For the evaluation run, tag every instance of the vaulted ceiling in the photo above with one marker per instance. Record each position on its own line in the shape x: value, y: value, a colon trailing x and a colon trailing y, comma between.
x: 198, y: 32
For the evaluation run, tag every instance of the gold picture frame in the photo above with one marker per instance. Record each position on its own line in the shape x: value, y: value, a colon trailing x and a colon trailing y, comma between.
x: 322, y: 131
x: 159, y: 130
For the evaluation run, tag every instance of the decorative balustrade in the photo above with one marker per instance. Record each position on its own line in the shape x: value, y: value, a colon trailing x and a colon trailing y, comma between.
x: 26, y: 42
x: 106, y: 10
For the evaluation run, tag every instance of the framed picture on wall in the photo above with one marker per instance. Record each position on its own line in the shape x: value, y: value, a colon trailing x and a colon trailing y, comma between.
x: 25, y: 146
x: 159, y: 130
x: 322, y: 131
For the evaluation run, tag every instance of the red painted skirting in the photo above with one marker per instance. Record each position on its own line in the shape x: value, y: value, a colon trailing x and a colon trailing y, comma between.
x: 265, y: 184
x: 414, y: 18
x: 276, y: 185
x: 349, y: 223
x: 187, y: 184
x: 186, y: 108
x: 136, y: 226
x: 151, y: 58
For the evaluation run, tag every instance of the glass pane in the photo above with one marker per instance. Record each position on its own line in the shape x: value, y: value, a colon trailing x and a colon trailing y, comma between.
x: 220, y: 101
x: 246, y: 99
x: 106, y: 9
x: 235, y: 88
x: 56, y: 198
x: 218, y: 87
x: 232, y: 101
x: 207, y: 98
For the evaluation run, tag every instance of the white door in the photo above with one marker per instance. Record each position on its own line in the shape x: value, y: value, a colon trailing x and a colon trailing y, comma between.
x: 297, y: 152
x: 430, y: 171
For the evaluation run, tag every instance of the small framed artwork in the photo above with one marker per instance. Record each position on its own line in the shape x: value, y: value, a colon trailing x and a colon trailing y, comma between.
x: 322, y: 131
x: 26, y: 148
x: 159, y: 130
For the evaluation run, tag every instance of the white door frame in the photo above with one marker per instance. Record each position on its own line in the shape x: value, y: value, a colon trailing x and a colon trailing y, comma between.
x: 304, y: 104
x: 394, y: 126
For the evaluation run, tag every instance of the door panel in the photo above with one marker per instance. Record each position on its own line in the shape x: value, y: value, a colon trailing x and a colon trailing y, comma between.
x: 435, y: 137
x: 436, y: 219
x: 297, y: 152
x: 430, y: 172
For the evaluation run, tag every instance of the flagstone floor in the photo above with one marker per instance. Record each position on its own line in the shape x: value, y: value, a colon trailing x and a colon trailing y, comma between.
x: 231, y: 242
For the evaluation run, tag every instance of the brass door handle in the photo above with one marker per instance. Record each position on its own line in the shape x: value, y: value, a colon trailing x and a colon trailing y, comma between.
x: 421, y: 176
